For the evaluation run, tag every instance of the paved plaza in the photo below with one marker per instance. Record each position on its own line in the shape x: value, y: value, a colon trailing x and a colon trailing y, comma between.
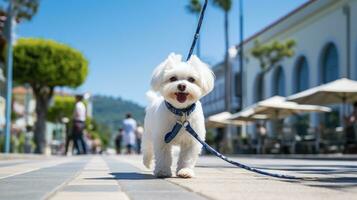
x: 124, y: 177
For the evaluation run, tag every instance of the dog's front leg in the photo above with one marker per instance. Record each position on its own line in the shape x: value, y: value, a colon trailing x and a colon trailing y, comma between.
x: 187, y: 160
x: 163, y: 160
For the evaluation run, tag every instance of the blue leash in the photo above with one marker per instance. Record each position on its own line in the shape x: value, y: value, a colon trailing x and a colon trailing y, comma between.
x: 186, y: 124
x: 183, y: 113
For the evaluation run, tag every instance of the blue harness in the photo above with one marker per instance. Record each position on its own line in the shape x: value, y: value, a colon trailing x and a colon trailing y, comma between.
x: 183, y: 122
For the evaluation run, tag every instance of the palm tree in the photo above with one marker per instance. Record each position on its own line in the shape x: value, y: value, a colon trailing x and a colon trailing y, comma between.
x: 194, y: 7
x: 24, y: 9
x: 225, y: 6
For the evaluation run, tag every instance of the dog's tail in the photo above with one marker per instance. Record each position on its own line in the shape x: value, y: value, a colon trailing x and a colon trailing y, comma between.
x: 152, y: 96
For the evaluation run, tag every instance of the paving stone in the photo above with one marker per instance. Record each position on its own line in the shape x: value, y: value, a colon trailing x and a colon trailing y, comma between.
x: 39, y: 183
x: 91, y: 188
x: 140, y: 185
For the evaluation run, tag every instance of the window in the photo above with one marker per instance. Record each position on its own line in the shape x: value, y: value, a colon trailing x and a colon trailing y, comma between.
x: 302, y: 75
x: 279, y: 82
x: 259, y: 92
x: 330, y: 68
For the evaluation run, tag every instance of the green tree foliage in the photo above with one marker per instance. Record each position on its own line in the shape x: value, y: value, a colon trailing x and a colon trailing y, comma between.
x: 24, y: 9
x: 45, y: 64
x: 271, y: 54
x: 194, y: 7
x: 63, y: 106
x: 225, y: 5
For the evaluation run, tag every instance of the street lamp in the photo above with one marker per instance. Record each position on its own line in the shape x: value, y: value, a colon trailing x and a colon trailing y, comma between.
x: 9, y: 37
x: 241, y: 52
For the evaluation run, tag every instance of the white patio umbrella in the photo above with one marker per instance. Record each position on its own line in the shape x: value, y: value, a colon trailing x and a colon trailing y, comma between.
x: 339, y: 91
x: 275, y: 108
x: 248, y: 115
x: 221, y: 120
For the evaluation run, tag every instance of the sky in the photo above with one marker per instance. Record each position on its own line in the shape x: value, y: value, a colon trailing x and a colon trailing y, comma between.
x: 124, y: 40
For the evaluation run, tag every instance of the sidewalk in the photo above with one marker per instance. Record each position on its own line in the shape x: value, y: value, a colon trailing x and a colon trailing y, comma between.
x: 351, y: 157
x: 124, y: 177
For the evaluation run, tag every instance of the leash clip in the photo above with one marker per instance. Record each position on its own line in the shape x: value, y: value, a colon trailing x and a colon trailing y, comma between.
x: 184, y: 120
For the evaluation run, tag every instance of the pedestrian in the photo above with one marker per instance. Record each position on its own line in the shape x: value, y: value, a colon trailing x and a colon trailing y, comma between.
x: 218, y: 139
x: 118, y: 140
x: 79, y: 118
x: 139, y: 134
x: 129, y: 126
x: 261, y: 134
x: 350, y: 131
x: 69, y: 138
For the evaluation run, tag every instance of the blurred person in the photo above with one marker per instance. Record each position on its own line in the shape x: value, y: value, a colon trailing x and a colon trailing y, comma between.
x: 28, y: 137
x: 261, y: 134
x: 351, y: 126
x: 79, y: 118
x: 69, y: 139
x: 218, y: 139
x: 89, y: 142
x: 129, y: 126
x: 118, y: 140
x: 139, y: 134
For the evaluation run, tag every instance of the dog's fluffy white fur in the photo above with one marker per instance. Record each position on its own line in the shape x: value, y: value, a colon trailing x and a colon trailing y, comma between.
x: 181, y: 84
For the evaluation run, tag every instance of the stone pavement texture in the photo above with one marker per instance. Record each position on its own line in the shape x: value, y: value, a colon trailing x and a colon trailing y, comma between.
x: 124, y: 177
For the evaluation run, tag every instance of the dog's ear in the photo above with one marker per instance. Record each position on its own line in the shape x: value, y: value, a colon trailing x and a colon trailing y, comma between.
x: 158, y: 74
x: 206, y: 75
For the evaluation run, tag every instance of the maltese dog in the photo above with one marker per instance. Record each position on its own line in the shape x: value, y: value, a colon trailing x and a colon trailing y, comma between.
x: 180, y: 85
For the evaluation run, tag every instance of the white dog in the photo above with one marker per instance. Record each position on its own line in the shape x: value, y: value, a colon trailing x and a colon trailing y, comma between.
x: 180, y: 84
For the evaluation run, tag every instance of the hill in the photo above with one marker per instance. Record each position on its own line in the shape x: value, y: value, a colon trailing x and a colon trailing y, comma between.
x: 110, y: 111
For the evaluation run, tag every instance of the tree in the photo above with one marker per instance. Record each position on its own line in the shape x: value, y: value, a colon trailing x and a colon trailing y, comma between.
x: 45, y: 64
x: 63, y: 106
x: 225, y: 6
x: 24, y: 9
x: 194, y: 7
x: 271, y: 54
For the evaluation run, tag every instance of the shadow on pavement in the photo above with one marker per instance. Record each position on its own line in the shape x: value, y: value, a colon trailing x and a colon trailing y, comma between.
x: 328, y: 176
x: 126, y: 176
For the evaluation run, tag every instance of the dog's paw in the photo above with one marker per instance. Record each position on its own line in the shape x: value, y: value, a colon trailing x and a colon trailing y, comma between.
x: 162, y: 173
x: 147, y: 162
x: 186, y: 173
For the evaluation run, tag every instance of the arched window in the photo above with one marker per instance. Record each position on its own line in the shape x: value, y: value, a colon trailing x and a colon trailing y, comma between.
x: 330, y: 68
x: 259, y: 91
x: 279, y: 82
x: 302, y: 75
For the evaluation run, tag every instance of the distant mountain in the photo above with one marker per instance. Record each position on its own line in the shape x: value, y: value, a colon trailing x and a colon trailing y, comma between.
x: 111, y: 110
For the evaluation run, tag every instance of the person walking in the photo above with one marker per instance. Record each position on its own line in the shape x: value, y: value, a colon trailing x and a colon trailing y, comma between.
x: 118, y: 140
x: 129, y: 126
x: 139, y: 134
x: 350, y: 132
x: 79, y: 118
x: 261, y: 136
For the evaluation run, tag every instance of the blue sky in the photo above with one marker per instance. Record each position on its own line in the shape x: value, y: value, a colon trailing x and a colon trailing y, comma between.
x: 125, y: 39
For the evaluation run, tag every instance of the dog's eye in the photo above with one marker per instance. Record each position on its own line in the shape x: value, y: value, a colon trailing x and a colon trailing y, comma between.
x: 190, y: 79
x: 173, y: 79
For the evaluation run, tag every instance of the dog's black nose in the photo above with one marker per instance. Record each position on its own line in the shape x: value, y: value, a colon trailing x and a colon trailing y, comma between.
x: 181, y: 87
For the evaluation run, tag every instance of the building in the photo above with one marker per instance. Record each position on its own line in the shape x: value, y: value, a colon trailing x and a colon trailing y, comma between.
x: 325, y: 32
x: 214, y: 102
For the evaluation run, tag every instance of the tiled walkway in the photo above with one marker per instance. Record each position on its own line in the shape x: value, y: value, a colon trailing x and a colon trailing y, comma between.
x: 124, y: 177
